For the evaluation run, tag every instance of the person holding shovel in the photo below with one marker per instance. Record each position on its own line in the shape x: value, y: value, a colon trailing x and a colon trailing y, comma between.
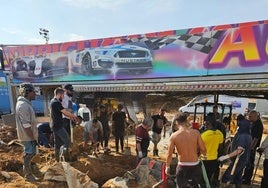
x: 62, y: 139
x: 26, y: 127
x: 239, y: 155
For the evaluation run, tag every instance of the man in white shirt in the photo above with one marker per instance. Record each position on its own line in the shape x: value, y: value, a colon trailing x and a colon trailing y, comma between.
x: 67, y: 104
x: 93, y: 132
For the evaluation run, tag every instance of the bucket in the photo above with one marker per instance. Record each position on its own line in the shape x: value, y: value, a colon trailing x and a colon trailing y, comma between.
x: 195, y: 125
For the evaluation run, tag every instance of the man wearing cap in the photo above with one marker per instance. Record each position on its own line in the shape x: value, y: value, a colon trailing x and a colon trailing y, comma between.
x: 67, y: 104
x: 26, y: 127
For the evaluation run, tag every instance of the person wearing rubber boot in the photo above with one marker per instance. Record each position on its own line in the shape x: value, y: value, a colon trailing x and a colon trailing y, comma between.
x: 159, y: 124
x: 26, y: 127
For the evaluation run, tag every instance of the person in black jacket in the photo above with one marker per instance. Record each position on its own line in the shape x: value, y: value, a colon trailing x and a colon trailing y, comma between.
x: 256, y: 134
x: 160, y: 122
x: 103, y: 117
x: 118, y: 127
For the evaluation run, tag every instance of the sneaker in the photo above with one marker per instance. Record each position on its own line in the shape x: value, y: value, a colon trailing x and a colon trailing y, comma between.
x: 31, y: 178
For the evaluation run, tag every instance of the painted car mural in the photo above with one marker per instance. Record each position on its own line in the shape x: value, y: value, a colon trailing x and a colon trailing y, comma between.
x: 231, y: 49
x: 112, y: 59
x: 39, y: 67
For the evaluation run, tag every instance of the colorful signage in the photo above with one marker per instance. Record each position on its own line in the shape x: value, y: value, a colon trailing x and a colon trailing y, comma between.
x: 218, y: 50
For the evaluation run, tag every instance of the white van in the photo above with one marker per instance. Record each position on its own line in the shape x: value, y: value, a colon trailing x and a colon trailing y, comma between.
x: 239, y: 105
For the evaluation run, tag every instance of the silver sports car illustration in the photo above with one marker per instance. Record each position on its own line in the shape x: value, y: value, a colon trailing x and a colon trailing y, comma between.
x: 113, y: 59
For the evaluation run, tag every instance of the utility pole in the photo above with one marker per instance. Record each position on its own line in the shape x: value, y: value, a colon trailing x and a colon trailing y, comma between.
x: 44, y: 33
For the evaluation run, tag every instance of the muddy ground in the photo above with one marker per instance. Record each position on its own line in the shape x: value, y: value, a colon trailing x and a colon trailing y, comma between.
x: 99, y: 169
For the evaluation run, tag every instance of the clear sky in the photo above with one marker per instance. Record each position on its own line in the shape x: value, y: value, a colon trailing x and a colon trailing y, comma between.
x: 72, y: 20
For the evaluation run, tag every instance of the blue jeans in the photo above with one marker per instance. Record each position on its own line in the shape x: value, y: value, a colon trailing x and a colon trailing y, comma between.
x: 42, y: 139
x: 29, y: 147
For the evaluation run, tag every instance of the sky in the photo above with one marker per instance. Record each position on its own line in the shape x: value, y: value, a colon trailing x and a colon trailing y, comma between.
x: 73, y: 20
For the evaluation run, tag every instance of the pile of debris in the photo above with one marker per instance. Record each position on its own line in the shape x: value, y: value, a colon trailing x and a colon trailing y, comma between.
x: 149, y: 173
x: 7, y: 134
x: 88, y: 170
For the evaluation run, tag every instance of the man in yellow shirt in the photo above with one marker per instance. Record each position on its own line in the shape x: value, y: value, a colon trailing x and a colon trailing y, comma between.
x: 213, y: 139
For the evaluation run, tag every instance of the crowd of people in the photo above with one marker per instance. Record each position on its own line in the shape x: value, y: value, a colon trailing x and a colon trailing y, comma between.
x: 208, y: 144
x: 58, y: 132
x: 199, y: 152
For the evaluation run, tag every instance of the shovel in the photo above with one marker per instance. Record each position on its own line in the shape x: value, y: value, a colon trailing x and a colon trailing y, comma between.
x: 256, y: 168
x: 127, y: 148
x: 15, y: 141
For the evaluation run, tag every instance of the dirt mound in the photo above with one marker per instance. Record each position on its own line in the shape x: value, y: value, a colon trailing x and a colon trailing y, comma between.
x: 99, y: 169
x: 7, y: 133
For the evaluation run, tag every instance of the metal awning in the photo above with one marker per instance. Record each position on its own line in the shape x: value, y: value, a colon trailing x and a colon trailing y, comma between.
x: 175, y: 86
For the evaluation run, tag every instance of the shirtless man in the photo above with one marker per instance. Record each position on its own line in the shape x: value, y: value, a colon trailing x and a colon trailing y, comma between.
x: 188, y: 144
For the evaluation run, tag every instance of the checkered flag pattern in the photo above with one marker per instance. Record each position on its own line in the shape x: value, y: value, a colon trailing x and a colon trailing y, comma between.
x: 202, y: 42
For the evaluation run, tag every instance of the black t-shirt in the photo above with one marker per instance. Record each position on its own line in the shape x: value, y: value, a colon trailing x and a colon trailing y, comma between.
x: 56, y: 115
x: 119, y: 121
x: 159, y: 122
x: 256, y: 131
x: 104, y: 119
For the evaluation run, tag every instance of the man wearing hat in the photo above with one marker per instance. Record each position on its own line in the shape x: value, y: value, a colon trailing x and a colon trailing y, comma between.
x: 26, y: 127
x: 67, y: 104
